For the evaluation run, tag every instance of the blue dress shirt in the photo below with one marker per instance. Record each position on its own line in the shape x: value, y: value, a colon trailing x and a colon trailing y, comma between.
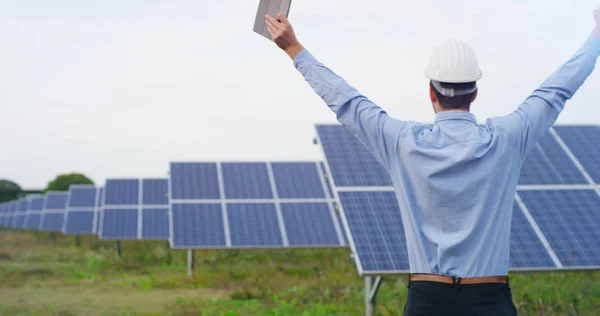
x: 455, y: 180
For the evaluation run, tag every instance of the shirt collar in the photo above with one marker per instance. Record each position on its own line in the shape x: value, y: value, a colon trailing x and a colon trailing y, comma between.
x: 456, y: 116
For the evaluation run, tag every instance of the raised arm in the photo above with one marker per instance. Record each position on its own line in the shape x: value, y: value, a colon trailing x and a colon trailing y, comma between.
x: 375, y: 129
x: 540, y: 110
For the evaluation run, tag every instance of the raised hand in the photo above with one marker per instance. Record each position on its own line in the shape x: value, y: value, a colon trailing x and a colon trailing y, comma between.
x: 283, y: 35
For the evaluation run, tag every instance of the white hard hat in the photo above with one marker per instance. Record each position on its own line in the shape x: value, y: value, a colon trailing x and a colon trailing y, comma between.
x: 453, y: 62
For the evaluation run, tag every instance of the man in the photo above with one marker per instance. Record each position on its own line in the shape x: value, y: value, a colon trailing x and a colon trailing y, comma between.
x: 455, y: 180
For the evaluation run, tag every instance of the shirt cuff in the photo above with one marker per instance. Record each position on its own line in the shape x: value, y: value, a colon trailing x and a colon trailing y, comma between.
x: 592, y: 45
x: 304, y: 60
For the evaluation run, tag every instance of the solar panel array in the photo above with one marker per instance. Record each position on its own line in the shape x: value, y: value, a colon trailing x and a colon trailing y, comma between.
x: 556, y: 220
x: 82, y: 210
x: 251, y: 205
x: 135, y: 209
x: 556, y: 216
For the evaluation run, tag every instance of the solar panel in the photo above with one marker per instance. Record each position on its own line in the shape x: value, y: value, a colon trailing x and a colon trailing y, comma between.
x: 81, y: 210
x: 12, y: 209
x: 548, y: 163
x: 19, y: 217
x: 155, y: 209
x: 570, y: 220
x: 250, y: 214
x: 311, y: 224
x: 246, y: 181
x: 53, y: 213
x: 120, y: 209
x: 374, y: 225
x: 135, y: 209
x: 155, y: 223
x: 3, y: 206
x: 299, y: 180
x: 8, y: 214
x: 99, y: 205
x: 191, y: 181
x: 198, y: 226
x: 349, y: 161
x: 584, y: 143
x: 34, y: 212
x: 254, y: 225
x: 526, y: 249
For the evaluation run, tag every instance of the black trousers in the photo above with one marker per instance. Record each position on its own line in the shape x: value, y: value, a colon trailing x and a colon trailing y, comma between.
x: 434, y: 298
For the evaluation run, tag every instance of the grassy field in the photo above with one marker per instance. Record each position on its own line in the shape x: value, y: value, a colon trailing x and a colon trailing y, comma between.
x: 38, y: 277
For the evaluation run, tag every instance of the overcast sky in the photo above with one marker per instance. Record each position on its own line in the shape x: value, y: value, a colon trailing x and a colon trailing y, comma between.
x: 119, y: 88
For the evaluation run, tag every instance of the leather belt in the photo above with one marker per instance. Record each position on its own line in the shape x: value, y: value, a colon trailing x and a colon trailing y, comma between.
x: 451, y: 280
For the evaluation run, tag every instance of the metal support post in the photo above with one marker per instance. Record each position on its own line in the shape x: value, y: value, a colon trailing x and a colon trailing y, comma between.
x: 77, y: 241
x: 190, y: 263
x: 372, y: 285
x: 117, y: 249
x: 53, y: 238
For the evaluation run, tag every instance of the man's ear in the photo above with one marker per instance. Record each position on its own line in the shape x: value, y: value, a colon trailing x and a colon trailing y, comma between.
x: 432, y: 95
x: 475, y: 95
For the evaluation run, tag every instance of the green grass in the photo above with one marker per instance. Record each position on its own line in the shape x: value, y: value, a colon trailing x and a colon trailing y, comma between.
x: 38, y: 277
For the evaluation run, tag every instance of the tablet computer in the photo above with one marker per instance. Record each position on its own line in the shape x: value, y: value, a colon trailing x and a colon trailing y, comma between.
x: 271, y: 7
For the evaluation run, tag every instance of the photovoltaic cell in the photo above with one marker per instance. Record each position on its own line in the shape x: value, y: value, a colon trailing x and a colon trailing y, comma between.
x: 350, y: 162
x: 526, y: 249
x: 121, y: 192
x: 119, y: 224
x: 570, y: 220
x: 52, y: 222
x: 79, y: 222
x: 55, y: 201
x: 155, y: 192
x: 155, y: 224
x: 376, y: 229
x: 584, y: 143
x: 254, y: 225
x: 194, y: 181
x: 82, y: 196
x: 297, y: 180
x: 36, y: 204
x: 246, y: 181
x: 197, y: 225
x: 33, y: 221
x: 548, y: 163
x: 309, y: 224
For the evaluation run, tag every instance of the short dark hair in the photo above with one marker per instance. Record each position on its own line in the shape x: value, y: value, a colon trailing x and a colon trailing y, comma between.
x: 456, y: 102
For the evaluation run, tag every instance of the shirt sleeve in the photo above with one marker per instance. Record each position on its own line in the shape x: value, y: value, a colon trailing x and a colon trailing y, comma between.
x: 374, y: 128
x: 534, y: 117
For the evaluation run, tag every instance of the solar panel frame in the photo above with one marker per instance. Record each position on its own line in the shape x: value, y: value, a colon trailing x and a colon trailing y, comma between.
x: 223, y: 202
